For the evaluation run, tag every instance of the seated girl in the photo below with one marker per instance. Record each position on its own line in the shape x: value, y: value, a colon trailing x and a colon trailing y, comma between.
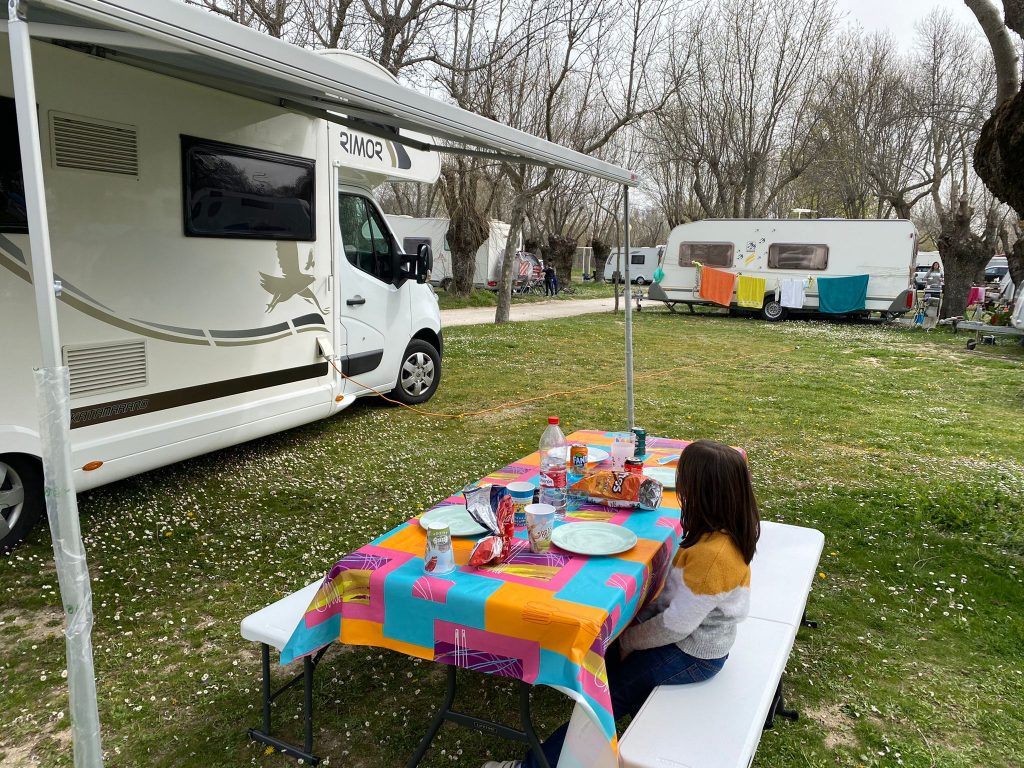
x: 684, y: 635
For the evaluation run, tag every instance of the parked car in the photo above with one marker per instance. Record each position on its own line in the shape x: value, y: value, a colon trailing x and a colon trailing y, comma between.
x: 995, y: 269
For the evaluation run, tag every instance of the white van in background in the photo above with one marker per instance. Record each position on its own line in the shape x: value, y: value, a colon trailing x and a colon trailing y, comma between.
x: 413, y: 232
x: 218, y: 257
x: 794, y: 248
x: 642, y: 263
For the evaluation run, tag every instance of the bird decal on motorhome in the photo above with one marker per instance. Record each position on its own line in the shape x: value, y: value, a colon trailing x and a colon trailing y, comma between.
x: 293, y: 281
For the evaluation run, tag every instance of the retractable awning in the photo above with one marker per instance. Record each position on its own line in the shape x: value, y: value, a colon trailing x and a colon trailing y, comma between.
x: 191, y: 43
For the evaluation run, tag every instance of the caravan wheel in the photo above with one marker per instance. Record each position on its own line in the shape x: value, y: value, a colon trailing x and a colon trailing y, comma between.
x: 772, y: 310
x: 419, y: 374
x: 21, y: 498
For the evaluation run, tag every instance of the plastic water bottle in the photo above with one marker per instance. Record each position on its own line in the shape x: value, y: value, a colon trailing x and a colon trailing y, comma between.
x: 553, y: 475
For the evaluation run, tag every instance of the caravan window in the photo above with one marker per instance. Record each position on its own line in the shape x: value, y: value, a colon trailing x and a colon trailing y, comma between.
x: 13, y: 217
x: 368, y: 246
x: 708, y: 254
x: 636, y: 258
x: 797, y: 256
x: 233, y: 191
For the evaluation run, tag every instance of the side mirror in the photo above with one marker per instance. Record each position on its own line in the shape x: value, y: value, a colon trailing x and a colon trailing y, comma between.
x: 424, y: 263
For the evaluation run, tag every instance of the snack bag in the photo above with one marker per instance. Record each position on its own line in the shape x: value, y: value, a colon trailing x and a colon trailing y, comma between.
x: 492, y: 507
x: 619, y: 489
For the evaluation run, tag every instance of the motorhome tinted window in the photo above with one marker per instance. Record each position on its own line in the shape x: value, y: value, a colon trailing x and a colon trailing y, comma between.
x: 709, y: 254
x: 12, y: 189
x: 366, y: 240
x: 636, y: 258
x: 233, y: 191
x: 797, y: 256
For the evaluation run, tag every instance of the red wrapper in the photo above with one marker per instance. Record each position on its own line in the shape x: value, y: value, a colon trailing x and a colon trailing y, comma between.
x: 494, y: 549
x: 488, y: 551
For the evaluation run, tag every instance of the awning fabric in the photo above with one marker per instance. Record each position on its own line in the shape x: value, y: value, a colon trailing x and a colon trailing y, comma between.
x: 191, y: 43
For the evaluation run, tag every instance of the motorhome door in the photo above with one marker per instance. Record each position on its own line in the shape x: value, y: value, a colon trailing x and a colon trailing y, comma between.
x: 374, y: 313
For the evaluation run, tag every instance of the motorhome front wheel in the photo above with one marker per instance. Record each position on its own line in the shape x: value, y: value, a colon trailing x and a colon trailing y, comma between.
x: 21, y: 498
x: 419, y: 374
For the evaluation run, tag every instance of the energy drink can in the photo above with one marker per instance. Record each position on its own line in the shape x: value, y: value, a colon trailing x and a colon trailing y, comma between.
x: 641, y: 442
x: 438, y: 557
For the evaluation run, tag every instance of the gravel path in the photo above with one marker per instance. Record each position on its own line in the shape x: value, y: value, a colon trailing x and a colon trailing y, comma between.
x: 541, y: 310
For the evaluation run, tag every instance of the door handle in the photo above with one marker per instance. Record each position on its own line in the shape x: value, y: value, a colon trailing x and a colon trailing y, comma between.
x: 356, y: 301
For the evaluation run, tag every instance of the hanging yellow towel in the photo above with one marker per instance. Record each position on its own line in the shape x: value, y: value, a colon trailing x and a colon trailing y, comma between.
x: 750, y: 292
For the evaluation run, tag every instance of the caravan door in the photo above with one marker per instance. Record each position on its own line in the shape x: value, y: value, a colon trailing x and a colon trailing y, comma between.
x: 374, y: 313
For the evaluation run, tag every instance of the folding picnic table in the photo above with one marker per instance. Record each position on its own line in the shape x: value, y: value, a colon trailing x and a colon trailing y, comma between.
x: 543, y: 619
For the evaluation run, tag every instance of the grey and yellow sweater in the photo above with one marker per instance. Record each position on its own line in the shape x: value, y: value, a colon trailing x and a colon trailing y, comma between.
x: 706, y: 594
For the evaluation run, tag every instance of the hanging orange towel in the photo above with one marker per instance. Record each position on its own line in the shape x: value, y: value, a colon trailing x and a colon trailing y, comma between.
x: 716, y: 285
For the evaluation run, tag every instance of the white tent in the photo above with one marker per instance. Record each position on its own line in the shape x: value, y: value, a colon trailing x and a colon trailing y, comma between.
x: 188, y: 43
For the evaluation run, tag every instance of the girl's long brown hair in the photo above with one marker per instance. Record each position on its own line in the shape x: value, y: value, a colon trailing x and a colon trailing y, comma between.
x: 715, y: 494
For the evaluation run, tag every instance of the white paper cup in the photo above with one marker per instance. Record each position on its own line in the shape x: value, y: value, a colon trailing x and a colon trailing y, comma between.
x: 522, y: 494
x: 540, y: 522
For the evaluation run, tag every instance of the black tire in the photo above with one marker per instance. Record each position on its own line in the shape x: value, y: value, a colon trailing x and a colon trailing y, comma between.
x: 772, y: 310
x: 21, y: 498
x: 417, y: 378
x: 640, y: 281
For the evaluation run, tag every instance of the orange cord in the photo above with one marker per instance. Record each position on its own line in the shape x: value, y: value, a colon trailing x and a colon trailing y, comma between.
x: 577, y: 391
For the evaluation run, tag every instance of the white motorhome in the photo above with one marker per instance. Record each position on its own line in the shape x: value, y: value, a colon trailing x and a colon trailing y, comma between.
x: 776, y: 249
x: 224, y: 270
x: 642, y: 263
x: 414, y: 231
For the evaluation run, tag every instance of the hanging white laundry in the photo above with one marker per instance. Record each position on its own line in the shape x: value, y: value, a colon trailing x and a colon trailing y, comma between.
x: 793, y: 292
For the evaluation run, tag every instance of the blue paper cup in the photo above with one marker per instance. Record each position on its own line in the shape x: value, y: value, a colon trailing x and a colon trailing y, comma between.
x: 522, y: 494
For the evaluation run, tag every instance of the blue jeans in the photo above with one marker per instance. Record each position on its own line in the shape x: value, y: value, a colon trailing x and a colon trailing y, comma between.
x: 631, y: 681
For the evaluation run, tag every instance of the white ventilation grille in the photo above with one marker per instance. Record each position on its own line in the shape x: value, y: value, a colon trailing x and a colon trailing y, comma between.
x: 94, y: 145
x: 99, y: 368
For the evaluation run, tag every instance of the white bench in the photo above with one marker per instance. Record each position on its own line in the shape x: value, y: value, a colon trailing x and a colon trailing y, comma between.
x: 271, y: 627
x: 718, y: 723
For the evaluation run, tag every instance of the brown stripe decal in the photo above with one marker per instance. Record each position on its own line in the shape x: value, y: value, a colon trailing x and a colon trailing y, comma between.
x: 159, y: 401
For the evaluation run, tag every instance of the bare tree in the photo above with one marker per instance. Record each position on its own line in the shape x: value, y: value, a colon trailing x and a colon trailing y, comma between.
x: 999, y: 154
x: 742, y: 113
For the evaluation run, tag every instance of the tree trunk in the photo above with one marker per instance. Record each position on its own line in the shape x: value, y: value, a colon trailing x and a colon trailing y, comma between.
x: 508, y: 263
x: 999, y: 153
x: 1015, y: 258
x: 963, y: 253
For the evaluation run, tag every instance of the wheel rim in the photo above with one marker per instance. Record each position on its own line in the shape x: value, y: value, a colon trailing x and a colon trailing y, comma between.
x: 417, y: 373
x: 12, y: 498
x: 773, y: 310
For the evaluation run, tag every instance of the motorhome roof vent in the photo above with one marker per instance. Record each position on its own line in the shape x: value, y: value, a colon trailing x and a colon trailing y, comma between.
x: 94, y: 145
x: 99, y: 368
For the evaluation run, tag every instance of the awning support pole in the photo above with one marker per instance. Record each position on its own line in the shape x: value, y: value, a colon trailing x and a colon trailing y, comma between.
x: 55, y: 416
x: 628, y: 296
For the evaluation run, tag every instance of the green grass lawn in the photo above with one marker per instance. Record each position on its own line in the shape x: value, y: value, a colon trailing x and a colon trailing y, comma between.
x: 904, y: 448
x: 484, y: 298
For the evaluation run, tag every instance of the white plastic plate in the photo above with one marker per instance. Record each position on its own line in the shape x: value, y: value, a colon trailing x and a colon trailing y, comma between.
x: 664, y: 475
x: 593, y: 538
x: 457, y: 518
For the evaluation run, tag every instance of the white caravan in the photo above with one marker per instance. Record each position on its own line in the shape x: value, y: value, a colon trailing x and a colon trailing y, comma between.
x: 642, y: 263
x: 413, y: 232
x: 776, y: 249
x: 214, y: 251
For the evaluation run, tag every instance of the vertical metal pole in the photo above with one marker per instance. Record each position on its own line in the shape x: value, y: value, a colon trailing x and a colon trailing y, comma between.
x: 54, y: 417
x: 629, y: 310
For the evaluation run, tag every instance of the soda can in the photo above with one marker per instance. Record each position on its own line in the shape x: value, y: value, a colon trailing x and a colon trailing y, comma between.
x: 578, y: 459
x: 641, y: 441
x: 439, y: 558
x: 635, y: 466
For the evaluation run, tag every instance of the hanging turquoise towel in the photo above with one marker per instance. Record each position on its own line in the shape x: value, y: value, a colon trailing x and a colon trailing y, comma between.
x: 659, y: 275
x: 839, y: 295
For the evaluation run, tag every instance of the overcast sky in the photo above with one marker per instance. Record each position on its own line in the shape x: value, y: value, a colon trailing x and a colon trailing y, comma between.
x: 898, y: 16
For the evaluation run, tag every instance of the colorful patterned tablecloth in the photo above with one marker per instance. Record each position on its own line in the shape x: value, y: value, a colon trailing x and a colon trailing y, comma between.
x: 542, y: 618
